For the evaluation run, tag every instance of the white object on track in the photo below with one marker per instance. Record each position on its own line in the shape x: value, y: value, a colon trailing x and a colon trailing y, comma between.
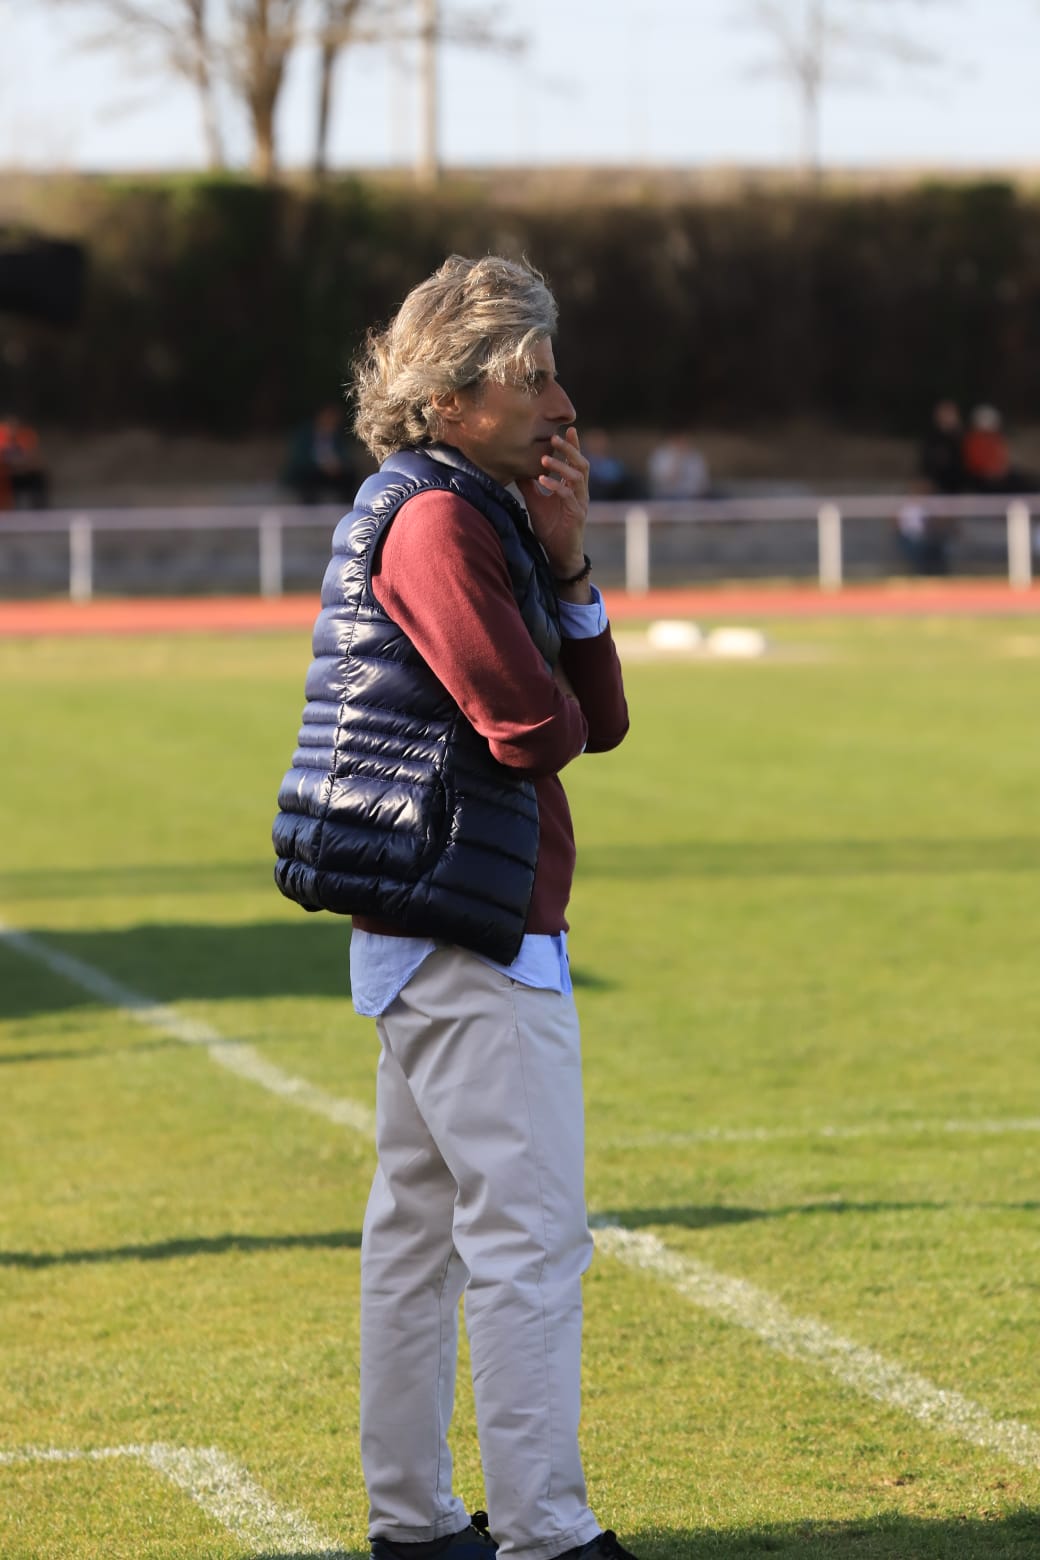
x: 737, y: 644
x: 674, y: 634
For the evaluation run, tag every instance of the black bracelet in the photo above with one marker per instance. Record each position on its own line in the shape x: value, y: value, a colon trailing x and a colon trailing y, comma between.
x: 582, y: 574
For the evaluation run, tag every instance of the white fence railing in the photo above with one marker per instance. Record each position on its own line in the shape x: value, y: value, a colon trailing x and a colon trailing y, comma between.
x: 639, y: 520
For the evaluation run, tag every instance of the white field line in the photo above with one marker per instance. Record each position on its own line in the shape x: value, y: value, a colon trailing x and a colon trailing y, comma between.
x: 734, y: 1299
x: 234, y: 1055
x: 222, y: 1488
x: 867, y: 1129
x: 813, y: 1343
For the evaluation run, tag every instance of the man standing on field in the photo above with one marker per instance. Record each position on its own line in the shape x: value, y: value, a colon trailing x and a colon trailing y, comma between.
x: 462, y: 658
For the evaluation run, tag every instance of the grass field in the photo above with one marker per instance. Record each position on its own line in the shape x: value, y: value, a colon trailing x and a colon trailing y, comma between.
x: 805, y: 944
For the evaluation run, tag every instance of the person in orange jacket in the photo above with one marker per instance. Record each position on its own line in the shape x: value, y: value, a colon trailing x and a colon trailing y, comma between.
x: 23, y: 477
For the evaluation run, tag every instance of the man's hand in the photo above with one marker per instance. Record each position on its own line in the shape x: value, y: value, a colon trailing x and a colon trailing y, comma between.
x: 558, y: 515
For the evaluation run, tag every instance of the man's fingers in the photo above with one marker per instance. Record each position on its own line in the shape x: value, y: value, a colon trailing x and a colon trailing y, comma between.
x: 568, y: 450
x: 567, y: 464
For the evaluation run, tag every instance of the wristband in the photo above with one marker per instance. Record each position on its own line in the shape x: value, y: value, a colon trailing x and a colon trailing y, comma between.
x: 576, y: 579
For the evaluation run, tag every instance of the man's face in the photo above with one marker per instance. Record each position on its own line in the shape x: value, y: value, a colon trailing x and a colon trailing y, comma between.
x: 506, y: 429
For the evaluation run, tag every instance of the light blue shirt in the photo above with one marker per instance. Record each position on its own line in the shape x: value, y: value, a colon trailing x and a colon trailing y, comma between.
x: 380, y: 967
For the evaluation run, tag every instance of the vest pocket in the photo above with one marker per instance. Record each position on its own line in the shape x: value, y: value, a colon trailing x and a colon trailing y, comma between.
x: 389, y: 826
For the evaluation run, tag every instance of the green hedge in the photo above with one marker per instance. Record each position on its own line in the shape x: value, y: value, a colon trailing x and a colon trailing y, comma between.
x: 224, y: 306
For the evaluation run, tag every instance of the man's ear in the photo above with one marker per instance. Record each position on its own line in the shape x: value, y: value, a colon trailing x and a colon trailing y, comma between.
x: 448, y: 406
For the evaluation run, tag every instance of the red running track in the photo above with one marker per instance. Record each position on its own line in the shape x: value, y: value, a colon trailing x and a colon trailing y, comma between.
x: 249, y: 614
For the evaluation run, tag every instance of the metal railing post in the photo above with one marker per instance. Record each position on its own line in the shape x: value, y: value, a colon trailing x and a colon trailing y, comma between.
x: 271, y: 575
x: 637, y: 551
x: 81, y: 558
x: 828, y: 530
x: 1020, y: 545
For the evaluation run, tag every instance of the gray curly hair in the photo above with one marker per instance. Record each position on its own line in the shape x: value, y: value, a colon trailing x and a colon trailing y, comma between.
x: 471, y: 321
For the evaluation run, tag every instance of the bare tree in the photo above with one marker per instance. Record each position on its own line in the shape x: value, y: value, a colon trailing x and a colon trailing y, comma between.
x: 821, y: 43
x: 263, y: 35
x: 343, y: 24
x: 335, y: 32
x: 201, y: 72
x: 247, y: 44
x: 475, y: 27
x: 178, y: 34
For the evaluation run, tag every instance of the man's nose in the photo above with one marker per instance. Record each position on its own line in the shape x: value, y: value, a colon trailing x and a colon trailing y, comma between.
x: 562, y: 407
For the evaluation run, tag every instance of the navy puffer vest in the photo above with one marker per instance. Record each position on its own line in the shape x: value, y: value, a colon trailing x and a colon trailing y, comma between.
x: 394, y: 806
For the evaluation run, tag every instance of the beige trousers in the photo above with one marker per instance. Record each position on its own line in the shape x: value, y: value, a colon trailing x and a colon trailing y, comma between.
x: 479, y: 1190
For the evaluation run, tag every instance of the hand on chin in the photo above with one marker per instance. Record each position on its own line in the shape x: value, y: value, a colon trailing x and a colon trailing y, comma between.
x: 534, y: 495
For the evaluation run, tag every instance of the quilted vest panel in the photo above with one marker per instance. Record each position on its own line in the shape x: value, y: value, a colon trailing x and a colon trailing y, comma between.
x: 394, y: 806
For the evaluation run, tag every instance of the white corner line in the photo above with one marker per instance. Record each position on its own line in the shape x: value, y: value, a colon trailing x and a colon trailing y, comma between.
x: 216, y: 1483
x: 236, y: 1056
x: 810, y: 1342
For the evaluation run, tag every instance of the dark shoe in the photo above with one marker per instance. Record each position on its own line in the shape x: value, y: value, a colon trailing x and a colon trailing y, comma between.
x: 604, y: 1546
x: 473, y: 1543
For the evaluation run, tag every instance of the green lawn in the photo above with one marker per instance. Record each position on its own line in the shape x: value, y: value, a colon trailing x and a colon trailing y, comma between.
x: 805, y: 943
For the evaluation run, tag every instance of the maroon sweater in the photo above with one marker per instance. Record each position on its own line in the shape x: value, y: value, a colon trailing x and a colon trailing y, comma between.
x: 441, y: 575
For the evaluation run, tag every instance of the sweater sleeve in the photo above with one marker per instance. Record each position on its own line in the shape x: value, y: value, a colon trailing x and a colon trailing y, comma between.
x: 441, y: 575
x: 595, y: 673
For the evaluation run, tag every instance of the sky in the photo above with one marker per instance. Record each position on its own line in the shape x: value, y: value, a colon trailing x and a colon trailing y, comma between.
x: 672, y: 83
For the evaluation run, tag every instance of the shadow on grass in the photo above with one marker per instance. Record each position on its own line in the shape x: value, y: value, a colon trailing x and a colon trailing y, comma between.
x: 81, y: 1052
x: 584, y: 980
x: 811, y: 858
x: 308, y: 957
x: 161, y: 878
x: 189, y: 1246
x: 687, y: 1218
x: 696, y: 1218
x: 627, y: 859
x: 1015, y: 1536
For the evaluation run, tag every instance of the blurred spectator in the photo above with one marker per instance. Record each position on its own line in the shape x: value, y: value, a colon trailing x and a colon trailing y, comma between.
x: 609, y: 477
x: 924, y: 538
x: 942, y: 449
x: 677, y: 469
x: 23, y: 476
x: 320, y: 466
x: 985, y: 453
x: 986, y: 457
